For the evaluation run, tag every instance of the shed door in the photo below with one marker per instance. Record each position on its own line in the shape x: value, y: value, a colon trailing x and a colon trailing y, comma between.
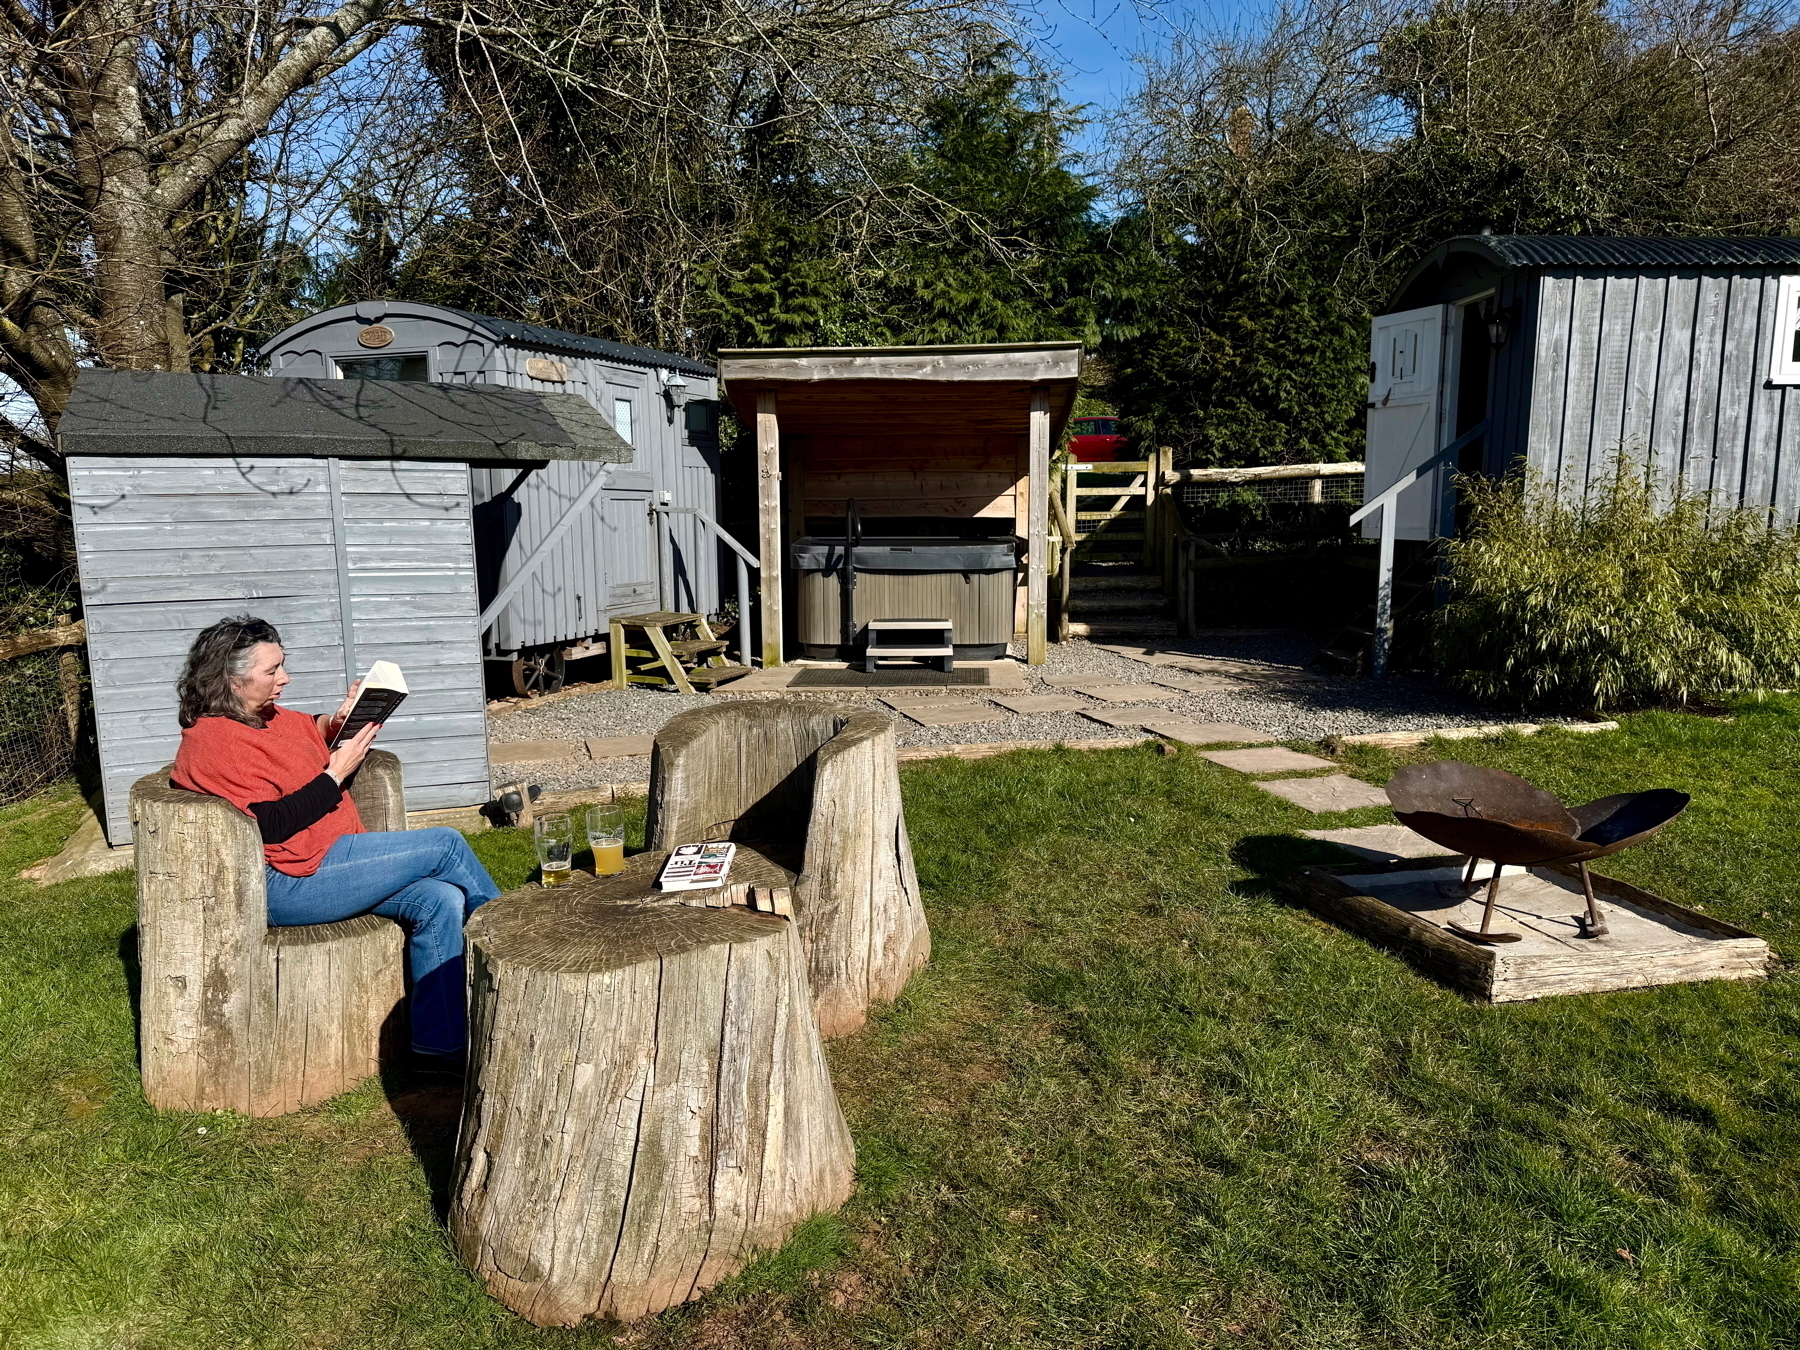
x: 1406, y: 365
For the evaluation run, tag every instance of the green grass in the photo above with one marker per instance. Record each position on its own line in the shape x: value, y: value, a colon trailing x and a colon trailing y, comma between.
x: 1134, y: 1101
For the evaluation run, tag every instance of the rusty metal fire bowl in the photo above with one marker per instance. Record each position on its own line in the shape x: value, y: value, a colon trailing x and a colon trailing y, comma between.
x: 1494, y: 815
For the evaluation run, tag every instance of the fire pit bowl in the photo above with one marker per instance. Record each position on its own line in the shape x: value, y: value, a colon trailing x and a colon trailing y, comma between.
x: 1494, y: 815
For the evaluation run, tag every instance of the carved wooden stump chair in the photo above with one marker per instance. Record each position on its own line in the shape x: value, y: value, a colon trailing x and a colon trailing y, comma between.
x: 816, y: 787
x: 236, y: 1015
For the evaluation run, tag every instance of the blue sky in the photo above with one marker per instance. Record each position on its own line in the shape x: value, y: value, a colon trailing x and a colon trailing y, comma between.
x: 1093, y: 41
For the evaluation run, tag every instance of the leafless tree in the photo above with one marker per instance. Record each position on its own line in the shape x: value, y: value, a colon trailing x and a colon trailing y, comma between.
x: 156, y: 154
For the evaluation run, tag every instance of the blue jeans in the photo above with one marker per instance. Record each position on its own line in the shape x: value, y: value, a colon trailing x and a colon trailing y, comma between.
x: 429, y: 881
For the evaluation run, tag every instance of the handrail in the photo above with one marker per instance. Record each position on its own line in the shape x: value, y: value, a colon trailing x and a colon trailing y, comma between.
x: 1400, y: 484
x: 744, y: 556
x: 528, y: 568
x: 1387, y: 503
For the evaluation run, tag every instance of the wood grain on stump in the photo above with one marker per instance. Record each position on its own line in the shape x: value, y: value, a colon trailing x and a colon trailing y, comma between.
x: 818, y: 782
x: 649, y: 1104
x: 236, y: 1015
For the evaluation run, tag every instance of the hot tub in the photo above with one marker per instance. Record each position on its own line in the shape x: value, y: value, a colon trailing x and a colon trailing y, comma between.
x: 967, y: 581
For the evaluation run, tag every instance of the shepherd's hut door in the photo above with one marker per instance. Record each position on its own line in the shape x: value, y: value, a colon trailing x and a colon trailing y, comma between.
x: 1406, y: 368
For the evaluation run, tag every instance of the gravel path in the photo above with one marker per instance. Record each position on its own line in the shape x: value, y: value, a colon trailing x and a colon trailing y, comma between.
x: 1306, y: 711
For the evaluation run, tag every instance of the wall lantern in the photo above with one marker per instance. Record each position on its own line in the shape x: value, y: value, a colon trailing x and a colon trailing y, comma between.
x: 1498, y: 319
x: 675, y: 390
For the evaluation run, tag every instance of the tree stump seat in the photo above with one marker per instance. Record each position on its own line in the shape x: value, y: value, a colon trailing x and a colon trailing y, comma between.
x: 817, y: 784
x: 649, y: 1104
x: 237, y: 1015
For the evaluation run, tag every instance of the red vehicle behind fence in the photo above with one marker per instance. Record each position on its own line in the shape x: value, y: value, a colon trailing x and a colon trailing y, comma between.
x: 1095, y: 439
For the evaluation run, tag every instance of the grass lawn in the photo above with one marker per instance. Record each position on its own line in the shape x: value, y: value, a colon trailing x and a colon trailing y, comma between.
x: 1134, y: 1101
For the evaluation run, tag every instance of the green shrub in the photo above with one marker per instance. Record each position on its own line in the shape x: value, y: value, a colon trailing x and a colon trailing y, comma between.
x: 1640, y: 593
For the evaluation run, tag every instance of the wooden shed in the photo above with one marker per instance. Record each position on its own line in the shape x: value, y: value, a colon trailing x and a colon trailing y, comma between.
x: 339, y: 511
x: 1556, y: 352
x: 643, y: 545
x: 948, y: 442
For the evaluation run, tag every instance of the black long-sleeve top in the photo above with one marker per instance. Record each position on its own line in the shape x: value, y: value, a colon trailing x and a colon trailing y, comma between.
x: 283, y: 818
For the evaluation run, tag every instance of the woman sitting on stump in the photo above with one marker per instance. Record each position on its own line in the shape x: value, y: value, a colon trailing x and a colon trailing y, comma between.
x: 275, y: 766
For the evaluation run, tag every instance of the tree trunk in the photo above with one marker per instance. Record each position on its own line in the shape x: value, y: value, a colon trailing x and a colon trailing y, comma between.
x: 649, y: 1104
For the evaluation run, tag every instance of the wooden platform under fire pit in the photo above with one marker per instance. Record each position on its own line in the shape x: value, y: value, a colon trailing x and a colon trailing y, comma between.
x: 1651, y: 940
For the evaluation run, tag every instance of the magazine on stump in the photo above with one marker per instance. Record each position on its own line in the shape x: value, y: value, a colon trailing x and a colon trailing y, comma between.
x: 695, y: 867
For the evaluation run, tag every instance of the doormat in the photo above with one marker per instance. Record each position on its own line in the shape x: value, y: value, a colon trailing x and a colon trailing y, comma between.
x: 885, y: 679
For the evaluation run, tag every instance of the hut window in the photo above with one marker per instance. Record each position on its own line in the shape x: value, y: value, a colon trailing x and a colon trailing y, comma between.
x: 622, y: 419
x: 1785, y: 367
x: 408, y: 368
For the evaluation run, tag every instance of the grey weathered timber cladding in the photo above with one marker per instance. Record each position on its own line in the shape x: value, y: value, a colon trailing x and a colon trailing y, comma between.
x: 351, y: 560
x: 1659, y: 348
x: 620, y: 558
x: 353, y: 557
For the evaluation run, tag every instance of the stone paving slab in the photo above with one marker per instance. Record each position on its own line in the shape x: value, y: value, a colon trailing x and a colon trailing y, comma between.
x: 531, y: 752
x: 1118, y: 717
x: 1380, y: 843
x: 1198, y: 684
x: 620, y: 747
x: 1043, y: 703
x: 1072, y: 681
x: 1339, y: 792
x: 1127, y: 693
x: 1254, y: 671
x: 949, y: 712
x: 1270, y: 759
x: 1190, y: 732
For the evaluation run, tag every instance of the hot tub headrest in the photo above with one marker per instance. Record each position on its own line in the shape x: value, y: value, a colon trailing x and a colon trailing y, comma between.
x: 917, y: 554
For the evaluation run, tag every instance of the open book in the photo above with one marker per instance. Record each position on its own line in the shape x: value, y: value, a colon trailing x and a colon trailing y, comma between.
x: 382, y: 689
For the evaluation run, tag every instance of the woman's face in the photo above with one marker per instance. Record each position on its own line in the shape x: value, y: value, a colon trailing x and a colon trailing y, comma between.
x: 266, y: 679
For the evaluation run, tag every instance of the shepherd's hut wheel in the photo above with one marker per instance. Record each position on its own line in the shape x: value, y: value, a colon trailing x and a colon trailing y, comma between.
x: 538, y: 673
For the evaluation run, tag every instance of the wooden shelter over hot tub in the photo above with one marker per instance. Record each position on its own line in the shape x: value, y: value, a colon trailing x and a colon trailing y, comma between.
x: 946, y: 444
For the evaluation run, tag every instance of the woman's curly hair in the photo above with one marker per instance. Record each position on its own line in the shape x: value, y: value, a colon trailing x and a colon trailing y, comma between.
x: 220, y: 655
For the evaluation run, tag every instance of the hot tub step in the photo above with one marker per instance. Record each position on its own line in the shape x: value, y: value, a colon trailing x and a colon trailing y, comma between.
x: 880, y: 651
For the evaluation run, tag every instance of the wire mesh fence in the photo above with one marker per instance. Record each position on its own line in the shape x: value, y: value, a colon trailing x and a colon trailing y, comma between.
x: 40, y: 719
x: 1339, y: 489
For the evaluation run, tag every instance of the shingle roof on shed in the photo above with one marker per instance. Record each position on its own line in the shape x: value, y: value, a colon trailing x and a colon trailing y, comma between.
x: 532, y: 335
x: 1559, y: 250
x: 129, y: 412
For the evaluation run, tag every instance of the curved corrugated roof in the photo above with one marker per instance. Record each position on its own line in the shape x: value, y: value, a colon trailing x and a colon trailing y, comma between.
x: 533, y: 335
x: 1575, y: 250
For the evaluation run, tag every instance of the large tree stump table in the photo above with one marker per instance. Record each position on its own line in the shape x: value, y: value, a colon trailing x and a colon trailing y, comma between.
x: 649, y: 1104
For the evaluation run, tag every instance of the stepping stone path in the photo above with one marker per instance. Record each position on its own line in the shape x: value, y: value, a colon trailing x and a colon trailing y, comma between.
x: 947, y: 712
x: 1042, y: 703
x: 1270, y: 759
x: 1190, y: 732
x: 620, y: 747
x: 1339, y: 792
x: 1127, y: 693
x: 1379, y: 843
x: 1198, y: 684
x: 1076, y: 681
x: 532, y: 752
x: 1117, y: 717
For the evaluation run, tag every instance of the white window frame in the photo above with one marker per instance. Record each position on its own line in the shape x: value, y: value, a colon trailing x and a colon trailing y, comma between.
x: 1784, y: 362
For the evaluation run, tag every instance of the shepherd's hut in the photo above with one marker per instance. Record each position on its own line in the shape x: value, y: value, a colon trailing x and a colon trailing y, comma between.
x: 646, y: 540
x: 1559, y: 352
